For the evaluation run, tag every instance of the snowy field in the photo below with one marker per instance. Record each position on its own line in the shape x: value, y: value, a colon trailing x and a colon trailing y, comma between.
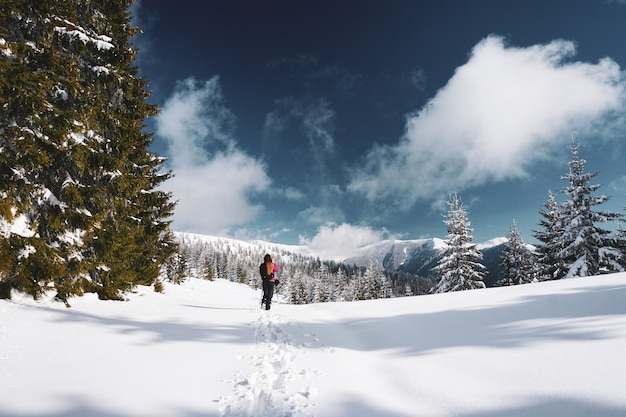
x: 205, y: 349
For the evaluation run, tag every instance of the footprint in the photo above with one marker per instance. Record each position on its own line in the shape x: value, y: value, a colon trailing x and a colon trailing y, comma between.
x: 265, y: 392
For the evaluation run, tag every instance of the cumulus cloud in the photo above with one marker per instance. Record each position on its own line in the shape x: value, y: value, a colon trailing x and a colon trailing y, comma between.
x: 340, y: 241
x: 504, y: 110
x: 214, y: 180
x: 320, y: 214
x: 292, y: 193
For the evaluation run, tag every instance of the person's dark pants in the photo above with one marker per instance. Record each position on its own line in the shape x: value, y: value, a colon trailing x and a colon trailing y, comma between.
x: 268, y: 293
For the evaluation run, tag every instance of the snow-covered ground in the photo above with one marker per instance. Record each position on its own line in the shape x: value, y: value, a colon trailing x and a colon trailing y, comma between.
x: 206, y: 349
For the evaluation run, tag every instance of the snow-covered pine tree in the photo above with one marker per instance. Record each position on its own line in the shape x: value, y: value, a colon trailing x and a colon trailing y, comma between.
x: 321, y: 281
x: 460, y: 267
x: 585, y: 248
x: 549, y: 265
x: 340, y: 282
x: 373, y: 277
x: 518, y: 262
x: 377, y: 284
x: 359, y: 285
x: 621, y: 242
x: 75, y: 170
x: 348, y: 290
x: 408, y: 292
x: 298, y: 293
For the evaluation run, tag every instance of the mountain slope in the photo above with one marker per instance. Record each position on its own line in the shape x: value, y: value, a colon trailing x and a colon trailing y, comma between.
x: 416, y: 257
x: 420, y: 256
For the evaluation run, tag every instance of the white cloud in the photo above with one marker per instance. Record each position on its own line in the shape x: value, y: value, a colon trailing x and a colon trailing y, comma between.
x: 340, y: 241
x: 292, y: 193
x: 324, y: 210
x: 213, y: 178
x: 194, y: 120
x: 502, y: 111
x: 319, y: 214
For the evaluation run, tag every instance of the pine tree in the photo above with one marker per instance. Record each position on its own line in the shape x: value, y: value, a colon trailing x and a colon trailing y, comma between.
x: 241, y: 274
x: 372, y: 278
x: 208, y: 269
x: 387, y: 287
x: 550, y: 265
x: 349, y: 289
x: 74, y: 162
x: 176, y: 268
x: 460, y: 267
x: 359, y: 285
x: 621, y: 244
x: 518, y: 265
x: 585, y: 248
x: 377, y: 284
x: 408, y: 292
x: 298, y: 290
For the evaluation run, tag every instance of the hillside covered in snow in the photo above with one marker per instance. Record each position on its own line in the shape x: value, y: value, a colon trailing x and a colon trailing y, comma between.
x: 204, y: 348
x: 405, y: 263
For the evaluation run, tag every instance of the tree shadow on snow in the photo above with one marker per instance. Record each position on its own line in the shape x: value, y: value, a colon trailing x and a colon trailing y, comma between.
x: 543, y: 407
x: 555, y: 407
x: 532, y: 320
x: 79, y: 407
x: 158, y: 331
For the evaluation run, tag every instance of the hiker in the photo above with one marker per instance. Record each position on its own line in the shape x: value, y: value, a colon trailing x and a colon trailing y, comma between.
x: 267, y: 270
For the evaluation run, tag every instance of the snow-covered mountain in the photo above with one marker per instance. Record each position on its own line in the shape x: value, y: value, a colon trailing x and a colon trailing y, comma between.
x: 416, y: 256
x: 413, y: 256
x: 237, y: 246
x: 421, y: 255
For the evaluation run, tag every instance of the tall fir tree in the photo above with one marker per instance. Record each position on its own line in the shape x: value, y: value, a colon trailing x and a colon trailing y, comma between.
x: 373, y: 279
x: 76, y: 174
x: 518, y: 262
x: 459, y: 268
x: 298, y: 293
x: 549, y: 264
x: 584, y: 247
x: 321, y: 281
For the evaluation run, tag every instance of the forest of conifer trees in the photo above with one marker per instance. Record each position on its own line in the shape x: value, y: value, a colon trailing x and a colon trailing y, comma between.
x: 303, y: 279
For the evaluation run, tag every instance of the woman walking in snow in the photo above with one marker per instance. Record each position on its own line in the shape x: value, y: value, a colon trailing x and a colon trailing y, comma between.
x: 267, y: 270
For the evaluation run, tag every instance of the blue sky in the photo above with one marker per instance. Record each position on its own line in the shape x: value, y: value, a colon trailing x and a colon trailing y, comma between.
x: 339, y: 123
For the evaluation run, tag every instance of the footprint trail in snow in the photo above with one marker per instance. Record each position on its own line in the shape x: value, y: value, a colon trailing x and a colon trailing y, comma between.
x: 275, y: 388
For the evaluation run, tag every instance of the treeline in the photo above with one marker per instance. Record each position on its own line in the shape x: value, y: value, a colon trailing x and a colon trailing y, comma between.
x: 303, y: 279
